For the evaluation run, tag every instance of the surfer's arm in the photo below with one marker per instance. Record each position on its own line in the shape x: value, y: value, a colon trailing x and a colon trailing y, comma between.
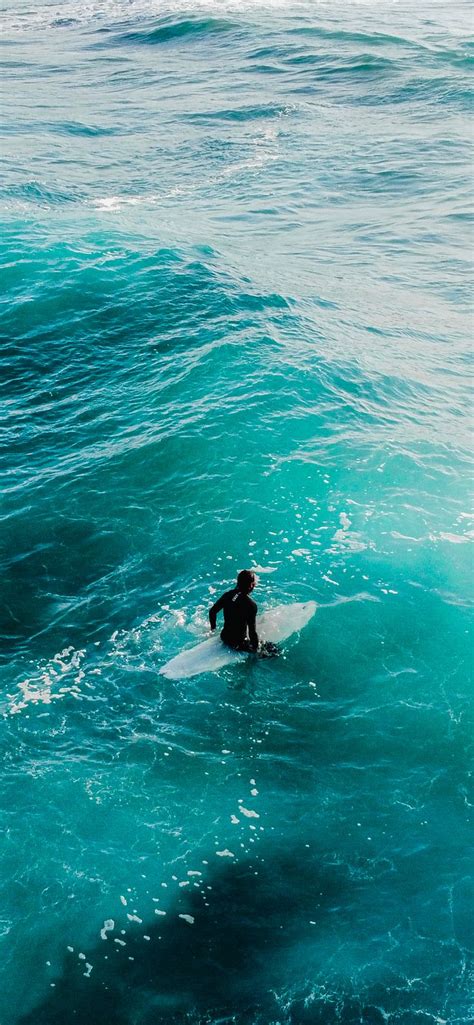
x: 215, y: 609
x: 251, y: 623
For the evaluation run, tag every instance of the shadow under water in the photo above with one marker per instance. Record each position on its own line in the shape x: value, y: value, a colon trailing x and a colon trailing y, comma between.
x: 223, y: 962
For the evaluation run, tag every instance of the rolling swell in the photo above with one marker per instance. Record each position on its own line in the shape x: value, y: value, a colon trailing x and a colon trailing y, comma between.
x: 263, y: 111
x: 95, y: 396
x: 177, y: 30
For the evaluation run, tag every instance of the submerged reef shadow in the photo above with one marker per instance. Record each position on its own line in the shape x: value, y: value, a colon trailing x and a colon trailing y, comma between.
x: 221, y: 962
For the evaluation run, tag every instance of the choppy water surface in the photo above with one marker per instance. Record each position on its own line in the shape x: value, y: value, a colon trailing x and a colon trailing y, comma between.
x: 236, y: 331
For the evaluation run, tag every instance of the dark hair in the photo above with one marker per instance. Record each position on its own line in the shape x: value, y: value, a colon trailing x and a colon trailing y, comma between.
x: 245, y: 579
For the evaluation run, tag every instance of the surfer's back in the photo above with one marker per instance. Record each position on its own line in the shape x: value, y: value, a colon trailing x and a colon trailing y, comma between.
x: 240, y: 612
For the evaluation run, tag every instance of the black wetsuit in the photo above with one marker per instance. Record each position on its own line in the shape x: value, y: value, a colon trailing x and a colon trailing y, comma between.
x: 239, y: 620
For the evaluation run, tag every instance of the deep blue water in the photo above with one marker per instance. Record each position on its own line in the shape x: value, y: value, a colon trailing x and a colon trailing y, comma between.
x: 236, y: 331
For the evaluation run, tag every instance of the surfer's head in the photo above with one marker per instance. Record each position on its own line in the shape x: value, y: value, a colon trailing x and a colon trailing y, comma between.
x: 246, y: 581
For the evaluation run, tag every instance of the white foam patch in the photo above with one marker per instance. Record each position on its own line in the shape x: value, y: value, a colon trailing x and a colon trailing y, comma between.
x: 187, y: 918
x: 453, y: 539
x: 134, y: 918
x: 342, y: 539
x: 349, y: 542
x: 108, y: 926
x: 225, y: 853
x: 249, y: 812
x: 54, y: 680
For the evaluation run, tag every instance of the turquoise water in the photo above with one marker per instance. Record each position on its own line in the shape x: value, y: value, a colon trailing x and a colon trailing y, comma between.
x: 236, y: 332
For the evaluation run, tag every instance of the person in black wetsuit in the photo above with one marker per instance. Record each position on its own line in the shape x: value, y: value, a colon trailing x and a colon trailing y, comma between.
x: 240, y: 613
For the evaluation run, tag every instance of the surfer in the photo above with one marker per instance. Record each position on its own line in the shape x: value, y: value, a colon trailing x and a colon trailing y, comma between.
x: 240, y: 613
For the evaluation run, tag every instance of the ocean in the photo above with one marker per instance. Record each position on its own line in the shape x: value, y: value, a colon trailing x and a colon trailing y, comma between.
x: 236, y: 333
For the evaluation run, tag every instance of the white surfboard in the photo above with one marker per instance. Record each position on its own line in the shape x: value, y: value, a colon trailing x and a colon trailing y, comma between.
x: 275, y: 625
